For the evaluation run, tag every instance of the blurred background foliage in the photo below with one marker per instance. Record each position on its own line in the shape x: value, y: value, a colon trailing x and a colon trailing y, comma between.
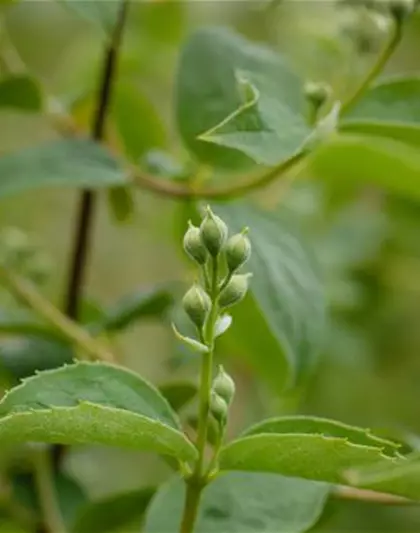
x: 365, y: 236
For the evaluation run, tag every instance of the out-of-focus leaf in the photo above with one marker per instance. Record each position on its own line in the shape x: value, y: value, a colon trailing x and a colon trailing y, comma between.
x: 26, y: 323
x: 71, y: 496
x: 281, y: 325
x: 390, y: 109
x: 21, y: 93
x: 178, y: 394
x: 341, y: 515
x: 66, y: 163
x: 160, y: 163
x: 137, y: 121
x: 92, y: 403
x: 115, y: 513
x: 162, y: 22
x: 389, y: 164
x: 242, y: 502
x: 121, y: 203
x: 143, y: 303
x: 100, y: 13
x: 23, y: 356
x: 401, y: 478
x: 241, y: 96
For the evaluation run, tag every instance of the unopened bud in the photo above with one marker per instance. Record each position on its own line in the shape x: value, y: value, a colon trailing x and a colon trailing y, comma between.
x: 218, y: 408
x: 238, y: 250
x: 235, y: 290
x: 213, y: 232
x: 224, y: 386
x: 401, y: 9
x: 194, y: 246
x: 317, y: 93
x: 197, y: 304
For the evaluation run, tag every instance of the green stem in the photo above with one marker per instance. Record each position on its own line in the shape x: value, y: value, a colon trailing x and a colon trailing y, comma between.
x: 376, y: 69
x: 206, y: 372
x: 192, y: 503
x: 198, y: 479
x: 44, y: 479
x: 254, y: 182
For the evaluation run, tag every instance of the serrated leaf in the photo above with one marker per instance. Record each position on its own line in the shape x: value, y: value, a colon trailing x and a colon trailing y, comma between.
x: 266, y: 128
x: 92, y: 403
x: 21, y: 93
x: 139, y: 304
x: 242, y: 502
x: 102, y: 14
x: 369, y: 160
x: 390, y: 108
x: 286, y: 304
x: 66, y: 163
x: 309, y: 456
x: 323, y: 426
x: 137, y: 121
x: 178, y: 394
x: 114, y: 513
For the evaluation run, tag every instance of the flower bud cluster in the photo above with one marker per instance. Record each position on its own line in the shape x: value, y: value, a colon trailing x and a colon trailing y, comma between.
x: 210, y: 242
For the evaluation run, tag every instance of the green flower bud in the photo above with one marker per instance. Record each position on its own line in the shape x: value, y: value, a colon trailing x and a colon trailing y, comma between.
x: 197, y: 304
x: 238, y: 250
x: 235, y: 290
x: 193, y: 244
x: 213, y: 232
x: 317, y: 93
x: 218, y: 408
x: 224, y: 386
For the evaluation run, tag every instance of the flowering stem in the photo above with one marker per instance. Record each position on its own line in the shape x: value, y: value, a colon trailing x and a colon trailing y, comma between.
x: 198, y: 480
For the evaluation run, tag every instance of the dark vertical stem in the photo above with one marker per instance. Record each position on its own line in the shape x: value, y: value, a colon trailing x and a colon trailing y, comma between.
x: 87, y: 205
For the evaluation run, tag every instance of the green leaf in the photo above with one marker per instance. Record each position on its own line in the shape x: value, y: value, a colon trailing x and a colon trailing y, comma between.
x: 369, y: 160
x: 240, y: 96
x: 114, y: 513
x: 137, y: 121
x: 102, y: 14
x: 312, y: 456
x: 391, y: 109
x: 163, y: 164
x: 66, y: 163
x: 139, y: 304
x: 92, y: 403
x: 242, y: 502
x: 325, y: 427
x: 121, y: 203
x: 402, y: 479
x: 178, y: 394
x: 286, y: 306
x: 20, y: 92
x: 23, y: 356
